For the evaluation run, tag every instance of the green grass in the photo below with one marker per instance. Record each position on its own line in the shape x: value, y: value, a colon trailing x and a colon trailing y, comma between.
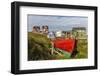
x: 82, y: 47
x: 38, y: 47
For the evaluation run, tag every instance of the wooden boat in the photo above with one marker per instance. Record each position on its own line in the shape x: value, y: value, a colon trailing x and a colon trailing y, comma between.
x: 67, y: 45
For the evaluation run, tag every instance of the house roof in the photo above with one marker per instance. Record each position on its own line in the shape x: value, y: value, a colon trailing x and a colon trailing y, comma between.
x: 79, y: 28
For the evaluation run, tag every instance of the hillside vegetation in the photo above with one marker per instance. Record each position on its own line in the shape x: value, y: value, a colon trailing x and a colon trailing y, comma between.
x: 38, y: 47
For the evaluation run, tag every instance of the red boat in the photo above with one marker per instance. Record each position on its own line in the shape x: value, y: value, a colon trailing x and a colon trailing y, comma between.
x: 65, y: 44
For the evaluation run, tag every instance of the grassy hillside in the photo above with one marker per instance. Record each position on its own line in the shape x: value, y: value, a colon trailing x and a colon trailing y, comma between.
x: 38, y: 47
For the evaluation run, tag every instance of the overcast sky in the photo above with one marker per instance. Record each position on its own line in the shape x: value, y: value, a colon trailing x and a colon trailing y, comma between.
x: 56, y: 23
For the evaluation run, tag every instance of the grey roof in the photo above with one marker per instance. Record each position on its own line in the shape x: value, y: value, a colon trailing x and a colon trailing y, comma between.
x: 79, y: 28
